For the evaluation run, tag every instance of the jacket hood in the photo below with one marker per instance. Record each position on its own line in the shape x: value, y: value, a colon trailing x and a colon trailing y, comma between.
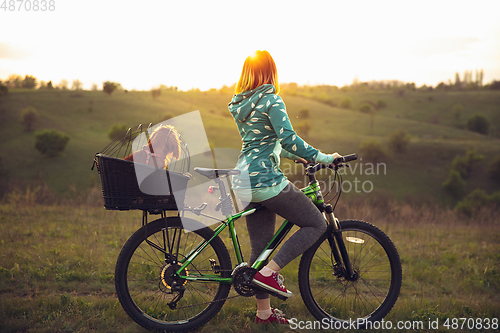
x: 242, y: 104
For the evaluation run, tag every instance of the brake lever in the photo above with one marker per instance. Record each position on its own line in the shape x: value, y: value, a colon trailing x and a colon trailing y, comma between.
x: 342, y: 165
x: 307, y: 164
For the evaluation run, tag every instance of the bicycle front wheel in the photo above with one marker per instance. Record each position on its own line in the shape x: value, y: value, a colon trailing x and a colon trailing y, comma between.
x: 145, y: 286
x: 370, y: 294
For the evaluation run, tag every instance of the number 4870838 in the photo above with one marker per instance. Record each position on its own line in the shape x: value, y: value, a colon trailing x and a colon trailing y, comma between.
x: 28, y: 5
x: 471, y: 323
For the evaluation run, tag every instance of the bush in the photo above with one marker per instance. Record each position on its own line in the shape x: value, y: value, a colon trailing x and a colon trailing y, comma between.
x: 478, y: 123
x: 116, y: 130
x: 398, y: 141
x: 50, y: 142
x: 477, y: 199
x: 381, y: 104
x: 108, y: 87
x: 372, y: 150
x: 494, y: 169
x: 454, y: 185
x: 464, y: 164
x: 366, y: 108
x: 346, y: 103
x: 28, y: 118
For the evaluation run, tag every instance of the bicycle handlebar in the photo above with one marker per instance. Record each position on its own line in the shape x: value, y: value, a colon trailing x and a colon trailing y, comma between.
x: 312, y: 169
x: 346, y: 158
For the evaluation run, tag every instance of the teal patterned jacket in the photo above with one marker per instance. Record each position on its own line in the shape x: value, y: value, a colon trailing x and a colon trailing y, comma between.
x: 266, y: 134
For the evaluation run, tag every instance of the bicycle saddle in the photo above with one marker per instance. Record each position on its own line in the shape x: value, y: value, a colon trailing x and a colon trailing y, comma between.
x: 216, y: 173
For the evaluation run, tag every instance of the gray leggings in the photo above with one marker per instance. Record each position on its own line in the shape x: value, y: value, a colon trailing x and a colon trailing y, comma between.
x: 294, y: 206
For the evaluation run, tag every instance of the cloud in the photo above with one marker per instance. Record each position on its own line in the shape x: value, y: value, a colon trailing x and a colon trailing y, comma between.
x: 9, y: 51
x: 443, y: 45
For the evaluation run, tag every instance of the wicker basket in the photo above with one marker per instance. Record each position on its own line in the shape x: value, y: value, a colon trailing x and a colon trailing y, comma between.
x: 119, y: 178
x: 121, y: 190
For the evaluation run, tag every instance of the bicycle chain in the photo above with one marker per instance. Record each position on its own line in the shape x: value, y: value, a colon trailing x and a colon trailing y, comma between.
x: 219, y: 300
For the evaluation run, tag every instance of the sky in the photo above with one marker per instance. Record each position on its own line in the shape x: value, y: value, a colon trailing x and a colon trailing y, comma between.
x: 203, y: 44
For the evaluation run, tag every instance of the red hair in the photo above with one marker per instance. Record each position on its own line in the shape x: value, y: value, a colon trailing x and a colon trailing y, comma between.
x: 258, y: 69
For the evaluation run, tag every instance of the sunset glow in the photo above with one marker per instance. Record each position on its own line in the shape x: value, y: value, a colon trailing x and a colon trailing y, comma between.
x: 204, y: 44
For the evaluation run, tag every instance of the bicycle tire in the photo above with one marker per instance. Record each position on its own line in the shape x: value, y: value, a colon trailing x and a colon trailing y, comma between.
x: 371, y: 296
x: 144, y: 294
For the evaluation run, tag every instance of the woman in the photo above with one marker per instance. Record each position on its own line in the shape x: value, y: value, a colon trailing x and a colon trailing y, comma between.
x: 267, y: 135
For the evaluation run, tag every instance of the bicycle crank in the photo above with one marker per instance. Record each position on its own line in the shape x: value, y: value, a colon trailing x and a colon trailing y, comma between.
x: 242, y: 279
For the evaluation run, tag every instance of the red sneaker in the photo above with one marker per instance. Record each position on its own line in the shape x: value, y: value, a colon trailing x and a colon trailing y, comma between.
x: 276, y: 318
x: 273, y: 283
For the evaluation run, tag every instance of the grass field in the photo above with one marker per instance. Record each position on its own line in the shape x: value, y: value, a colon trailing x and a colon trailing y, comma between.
x: 437, y: 136
x: 57, y: 268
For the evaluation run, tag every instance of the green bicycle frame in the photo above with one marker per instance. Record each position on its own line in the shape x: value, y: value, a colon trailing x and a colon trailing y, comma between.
x: 313, y: 191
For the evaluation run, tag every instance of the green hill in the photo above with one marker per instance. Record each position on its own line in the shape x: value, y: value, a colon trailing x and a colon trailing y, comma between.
x: 437, y: 133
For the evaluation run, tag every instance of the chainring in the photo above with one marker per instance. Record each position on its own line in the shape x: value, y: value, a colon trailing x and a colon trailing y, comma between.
x: 242, y: 277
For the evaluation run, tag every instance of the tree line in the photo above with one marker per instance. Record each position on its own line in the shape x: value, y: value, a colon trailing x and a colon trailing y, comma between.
x: 16, y: 81
x: 470, y: 80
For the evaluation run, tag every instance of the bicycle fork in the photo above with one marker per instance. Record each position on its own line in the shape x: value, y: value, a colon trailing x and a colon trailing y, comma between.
x: 338, y: 248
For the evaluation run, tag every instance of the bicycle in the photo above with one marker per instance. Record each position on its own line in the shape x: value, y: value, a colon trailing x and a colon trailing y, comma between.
x: 174, y: 281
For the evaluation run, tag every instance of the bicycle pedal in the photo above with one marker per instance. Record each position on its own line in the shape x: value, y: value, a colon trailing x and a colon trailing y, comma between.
x: 283, y: 298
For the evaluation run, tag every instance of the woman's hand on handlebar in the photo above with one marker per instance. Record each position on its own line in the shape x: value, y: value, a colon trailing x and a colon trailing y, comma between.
x: 336, y: 155
x: 338, y: 161
x: 305, y: 162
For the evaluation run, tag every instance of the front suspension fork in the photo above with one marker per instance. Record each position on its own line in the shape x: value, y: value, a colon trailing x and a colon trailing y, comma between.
x: 337, y: 245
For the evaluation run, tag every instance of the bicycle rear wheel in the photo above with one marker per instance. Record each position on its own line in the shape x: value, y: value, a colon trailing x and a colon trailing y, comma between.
x: 329, y: 295
x: 144, y: 284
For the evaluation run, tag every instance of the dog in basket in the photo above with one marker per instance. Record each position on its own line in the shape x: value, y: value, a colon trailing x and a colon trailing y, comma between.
x: 163, y: 146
